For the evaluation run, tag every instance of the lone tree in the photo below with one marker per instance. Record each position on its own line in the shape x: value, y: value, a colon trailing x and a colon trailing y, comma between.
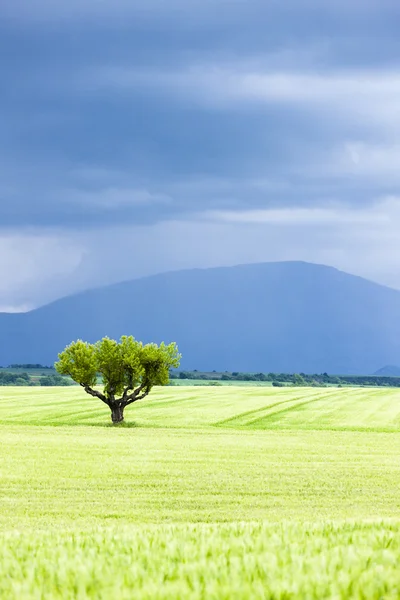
x: 128, y: 368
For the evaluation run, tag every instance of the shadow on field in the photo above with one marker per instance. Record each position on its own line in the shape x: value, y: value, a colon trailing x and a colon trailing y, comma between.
x: 128, y: 425
x: 124, y: 425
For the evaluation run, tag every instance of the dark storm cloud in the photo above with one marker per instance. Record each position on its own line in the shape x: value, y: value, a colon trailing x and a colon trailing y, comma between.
x: 129, y: 112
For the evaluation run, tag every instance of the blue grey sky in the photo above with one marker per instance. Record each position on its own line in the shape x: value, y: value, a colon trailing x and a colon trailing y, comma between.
x: 139, y: 136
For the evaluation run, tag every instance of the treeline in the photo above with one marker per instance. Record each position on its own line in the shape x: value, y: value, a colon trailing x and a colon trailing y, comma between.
x: 294, y: 379
x: 27, y: 366
x: 23, y: 379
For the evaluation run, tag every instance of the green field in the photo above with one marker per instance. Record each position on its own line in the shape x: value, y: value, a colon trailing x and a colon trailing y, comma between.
x: 218, y: 381
x: 206, y: 492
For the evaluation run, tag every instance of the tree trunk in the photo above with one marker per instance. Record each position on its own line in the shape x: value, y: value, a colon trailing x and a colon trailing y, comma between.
x: 117, y: 413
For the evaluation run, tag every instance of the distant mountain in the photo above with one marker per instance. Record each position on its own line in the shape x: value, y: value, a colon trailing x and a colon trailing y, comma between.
x: 289, y: 316
x: 388, y: 371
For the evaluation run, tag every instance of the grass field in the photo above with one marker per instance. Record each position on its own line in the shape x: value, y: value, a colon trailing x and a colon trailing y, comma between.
x: 205, y: 382
x: 215, y: 492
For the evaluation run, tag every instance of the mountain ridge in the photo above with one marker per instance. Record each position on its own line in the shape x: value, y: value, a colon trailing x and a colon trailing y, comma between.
x: 278, y: 316
x: 388, y: 371
x: 198, y: 269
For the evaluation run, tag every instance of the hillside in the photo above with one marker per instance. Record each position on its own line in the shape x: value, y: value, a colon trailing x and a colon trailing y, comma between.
x: 388, y: 371
x: 282, y: 317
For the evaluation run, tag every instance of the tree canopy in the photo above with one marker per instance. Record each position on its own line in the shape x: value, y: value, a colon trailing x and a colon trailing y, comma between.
x: 128, y: 369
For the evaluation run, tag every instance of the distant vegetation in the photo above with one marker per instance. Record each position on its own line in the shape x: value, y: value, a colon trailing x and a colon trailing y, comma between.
x: 52, y: 380
x: 36, y: 374
x: 8, y: 378
x: 293, y: 379
x: 28, y: 366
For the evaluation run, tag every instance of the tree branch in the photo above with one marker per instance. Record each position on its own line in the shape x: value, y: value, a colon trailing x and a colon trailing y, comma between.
x: 95, y: 393
x: 135, y: 395
x: 137, y: 398
x: 125, y: 394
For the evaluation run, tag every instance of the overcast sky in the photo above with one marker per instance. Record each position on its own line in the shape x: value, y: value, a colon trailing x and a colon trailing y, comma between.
x: 139, y: 136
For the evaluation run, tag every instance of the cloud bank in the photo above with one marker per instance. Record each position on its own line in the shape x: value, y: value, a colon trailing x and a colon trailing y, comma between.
x: 141, y: 137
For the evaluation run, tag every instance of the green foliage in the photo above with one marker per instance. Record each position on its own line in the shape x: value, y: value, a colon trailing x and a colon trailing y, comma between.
x: 297, y: 379
x: 124, y: 366
x: 24, y: 379
x: 78, y: 360
x: 7, y: 378
x: 29, y: 366
x: 20, y: 381
x: 54, y: 380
